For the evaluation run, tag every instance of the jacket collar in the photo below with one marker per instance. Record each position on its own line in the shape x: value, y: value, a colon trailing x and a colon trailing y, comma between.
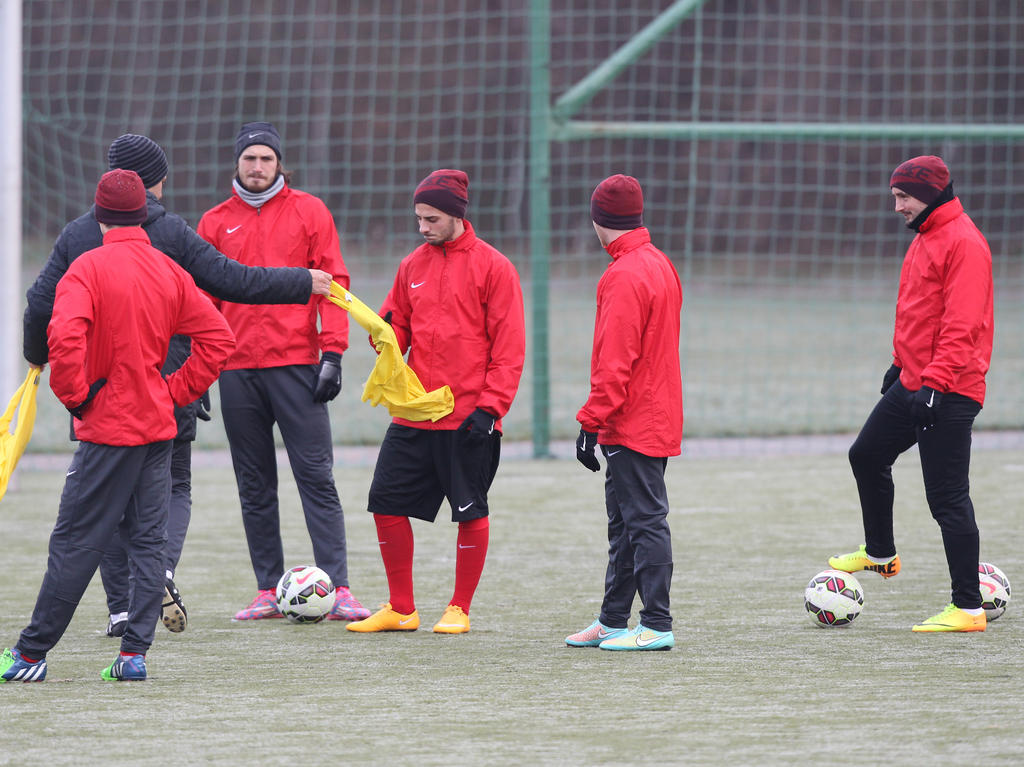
x: 942, y: 215
x: 126, y: 234
x: 631, y: 240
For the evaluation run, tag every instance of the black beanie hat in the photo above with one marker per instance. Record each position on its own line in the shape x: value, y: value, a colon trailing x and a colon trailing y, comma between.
x: 257, y: 133
x: 140, y: 154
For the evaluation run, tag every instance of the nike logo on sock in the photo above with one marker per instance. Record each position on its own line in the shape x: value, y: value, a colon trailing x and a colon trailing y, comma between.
x: 464, y: 546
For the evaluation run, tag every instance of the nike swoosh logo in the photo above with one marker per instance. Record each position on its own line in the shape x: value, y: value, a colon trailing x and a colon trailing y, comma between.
x: 73, y: 471
x: 931, y: 399
x: 641, y: 642
x: 602, y: 634
x: 416, y: 284
x: 304, y: 578
x: 234, y: 229
x: 253, y: 135
x: 463, y: 546
x: 402, y: 623
x: 463, y: 508
x: 615, y: 453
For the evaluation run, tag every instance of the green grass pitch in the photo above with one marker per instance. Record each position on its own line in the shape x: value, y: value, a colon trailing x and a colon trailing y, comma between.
x: 750, y: 681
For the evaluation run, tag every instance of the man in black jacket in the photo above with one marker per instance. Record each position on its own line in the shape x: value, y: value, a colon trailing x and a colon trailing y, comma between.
x: 214, y: 273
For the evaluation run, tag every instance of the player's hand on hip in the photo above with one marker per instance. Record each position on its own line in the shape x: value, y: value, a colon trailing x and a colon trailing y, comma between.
x: 586, y: 442
x: 321, y: 282
x: 924, y: 406
x: 891, y: 376
x: 328, y: 377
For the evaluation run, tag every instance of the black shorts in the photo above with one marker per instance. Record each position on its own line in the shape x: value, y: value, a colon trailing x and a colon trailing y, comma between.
x: 417, y: 468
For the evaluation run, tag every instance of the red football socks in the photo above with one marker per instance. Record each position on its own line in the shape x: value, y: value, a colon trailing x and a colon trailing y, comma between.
x: 469, y: 560
x: 394, y: 536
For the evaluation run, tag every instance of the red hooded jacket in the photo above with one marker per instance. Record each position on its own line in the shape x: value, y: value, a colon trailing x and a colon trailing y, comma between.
x: 944, y: 315
x: 458, y: 309
x: 636, y: 391
x: 115, y: 311
x: 292, y: 228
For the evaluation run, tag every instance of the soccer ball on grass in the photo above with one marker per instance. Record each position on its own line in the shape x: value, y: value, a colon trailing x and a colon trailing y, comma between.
x: 995, y: 590
x: 305, y: 594
x: 833, y: 598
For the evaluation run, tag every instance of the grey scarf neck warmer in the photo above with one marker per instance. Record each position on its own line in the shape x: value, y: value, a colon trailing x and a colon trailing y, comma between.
x: 258, y: 199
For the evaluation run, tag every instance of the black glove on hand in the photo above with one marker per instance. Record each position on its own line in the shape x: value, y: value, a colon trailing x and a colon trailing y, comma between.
x: 387, y: 318
x: 203, y: 406
x: 478, y: 424
x: 98, y: 384
x: 328, y: 377
x: 891, y: 376
x: 585, y: 444
x: 924, y: 405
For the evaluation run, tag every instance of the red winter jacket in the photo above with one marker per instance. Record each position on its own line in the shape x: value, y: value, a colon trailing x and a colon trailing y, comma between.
x: 944, y: 319
x: 636, y: 391
x: 293, y: 228
x: 458, y: 309
x: 115, y: 311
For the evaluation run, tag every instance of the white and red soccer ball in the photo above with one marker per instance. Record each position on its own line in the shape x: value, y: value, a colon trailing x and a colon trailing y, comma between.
x: 305, y: 594
x: 833, y: 599
x: 995, y: 590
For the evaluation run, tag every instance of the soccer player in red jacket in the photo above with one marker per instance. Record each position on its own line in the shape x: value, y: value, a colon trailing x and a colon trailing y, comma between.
x: 635, y: 413
x: 933, y: 390
x: 457, y: 307
x: 115, y: 311
x: 287, y: 367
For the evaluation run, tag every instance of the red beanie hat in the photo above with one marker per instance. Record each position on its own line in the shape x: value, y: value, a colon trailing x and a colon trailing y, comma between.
x: 922, y: 177
x: 120, y: 198
x: 618, y: 203
x: 447, y: 190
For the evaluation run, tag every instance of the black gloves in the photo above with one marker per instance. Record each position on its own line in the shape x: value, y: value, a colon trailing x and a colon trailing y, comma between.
x: 478, y: 425
x: 203, y: 406
x: 98, y: 384
x: 891, y: 376
x: 328, y: 377
x: 387, y: 318
x: 924, y: 405
x: 585, y: 444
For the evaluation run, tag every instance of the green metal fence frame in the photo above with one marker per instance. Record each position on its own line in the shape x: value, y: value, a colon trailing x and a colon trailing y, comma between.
x: 552, y: 122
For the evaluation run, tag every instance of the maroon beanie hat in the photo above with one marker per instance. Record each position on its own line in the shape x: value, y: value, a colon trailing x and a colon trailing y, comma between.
x: 922, y: 177
x: 120, y: 198
x: 447, y: 190
x: 618, y: 203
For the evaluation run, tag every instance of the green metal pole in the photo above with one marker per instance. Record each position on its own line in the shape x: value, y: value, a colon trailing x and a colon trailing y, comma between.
x: 574, y: 98
x: 540, y: 221
x: 575, y: 130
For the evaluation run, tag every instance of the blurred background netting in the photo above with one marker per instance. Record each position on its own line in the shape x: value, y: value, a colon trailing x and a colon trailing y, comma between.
x: 775, y: 208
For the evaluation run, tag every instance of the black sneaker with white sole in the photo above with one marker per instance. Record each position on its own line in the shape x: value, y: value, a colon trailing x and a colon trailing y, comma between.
x: 173, y: 614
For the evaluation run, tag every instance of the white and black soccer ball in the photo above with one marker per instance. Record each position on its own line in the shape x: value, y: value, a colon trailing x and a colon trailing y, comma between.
x: 305, y: 594
x: 833, y: 598
x: 995, y: 590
